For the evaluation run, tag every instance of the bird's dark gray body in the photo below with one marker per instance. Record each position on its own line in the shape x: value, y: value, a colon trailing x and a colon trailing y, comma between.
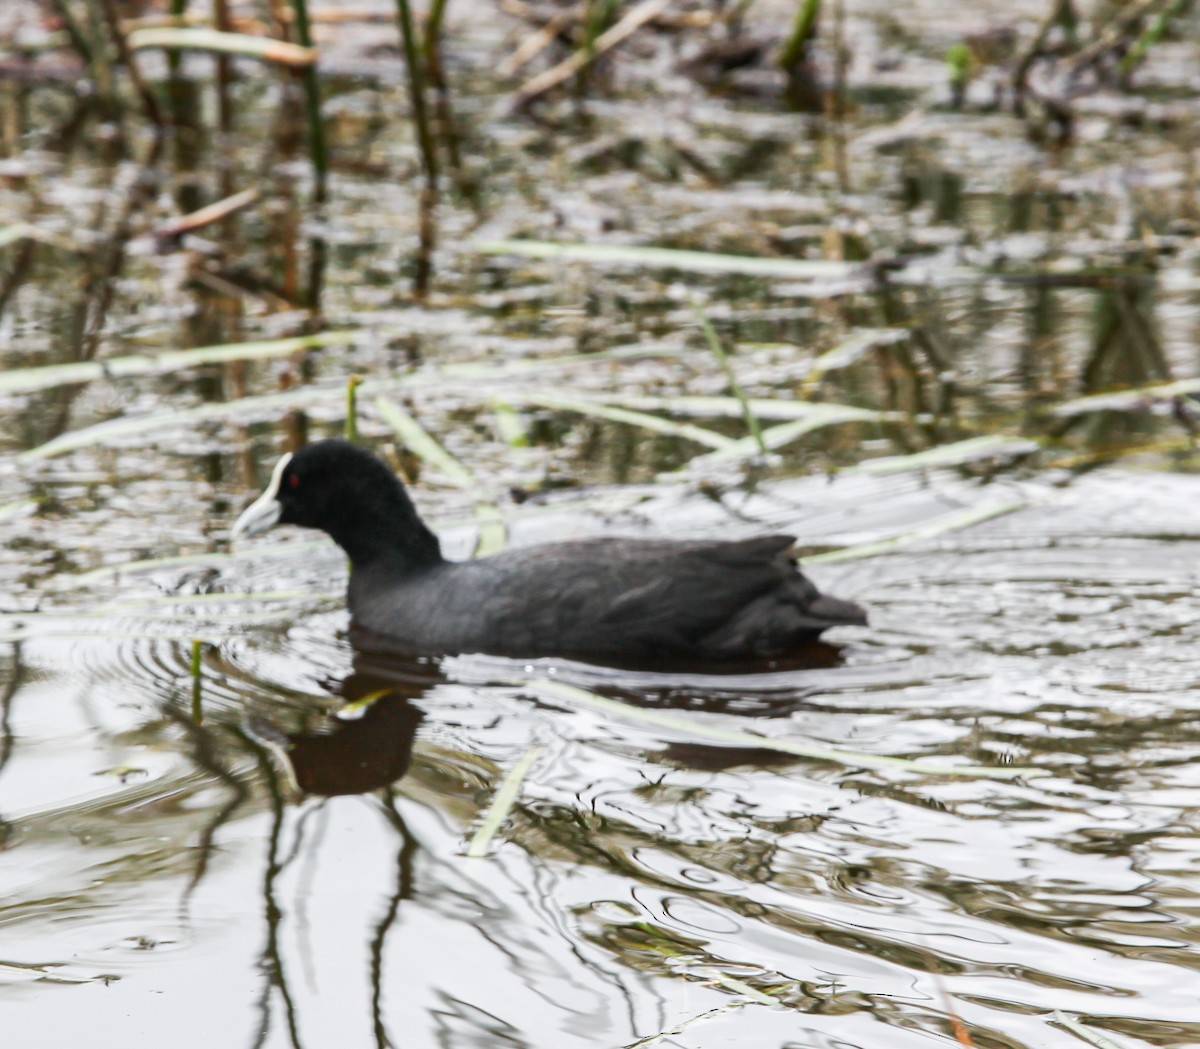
x: 604, y: 597
x: 612, y: 599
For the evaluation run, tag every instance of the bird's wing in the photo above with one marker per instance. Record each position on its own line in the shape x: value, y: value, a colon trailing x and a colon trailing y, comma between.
x: 653, y: 597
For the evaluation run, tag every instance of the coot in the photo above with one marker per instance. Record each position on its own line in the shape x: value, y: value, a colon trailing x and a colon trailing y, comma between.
x: 608, y: 599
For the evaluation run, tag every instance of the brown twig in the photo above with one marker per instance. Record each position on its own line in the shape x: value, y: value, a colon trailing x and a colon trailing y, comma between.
x: 644, y: 12
x: 534, y: 44
x: 205, y: 216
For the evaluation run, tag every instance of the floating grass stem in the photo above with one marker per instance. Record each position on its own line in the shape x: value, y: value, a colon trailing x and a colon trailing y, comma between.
x: 266, y: 405
x: 1086, y: 1033
x: 954, y: 522
x: 690, y: 726
x: 502, y: 804
x: 674, y: 258
x: 597, y: 410
x: 48, y: 376
x: 18, y: 508
x: 714, y: 344
x: 493, y: 536
x: 266, y: 49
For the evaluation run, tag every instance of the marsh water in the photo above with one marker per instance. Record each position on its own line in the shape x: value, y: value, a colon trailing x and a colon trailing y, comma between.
x: 273, y: 851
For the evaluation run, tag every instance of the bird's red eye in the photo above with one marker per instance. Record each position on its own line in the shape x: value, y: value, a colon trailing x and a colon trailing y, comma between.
x: 294, y: 481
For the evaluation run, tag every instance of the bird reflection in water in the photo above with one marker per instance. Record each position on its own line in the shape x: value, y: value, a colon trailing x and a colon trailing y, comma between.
x: 366, y: 746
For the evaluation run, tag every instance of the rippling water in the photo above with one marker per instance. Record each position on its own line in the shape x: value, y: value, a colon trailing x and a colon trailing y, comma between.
x: 644, y: 881
x: 292, y: 870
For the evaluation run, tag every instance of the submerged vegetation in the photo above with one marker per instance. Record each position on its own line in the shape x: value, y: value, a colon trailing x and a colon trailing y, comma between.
x: 897, y: 279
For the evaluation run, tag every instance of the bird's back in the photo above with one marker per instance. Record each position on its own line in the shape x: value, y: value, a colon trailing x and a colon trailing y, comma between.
x: 604, y: 598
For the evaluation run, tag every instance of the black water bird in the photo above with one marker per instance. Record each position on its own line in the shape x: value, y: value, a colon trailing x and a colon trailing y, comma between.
x: 607, y: 599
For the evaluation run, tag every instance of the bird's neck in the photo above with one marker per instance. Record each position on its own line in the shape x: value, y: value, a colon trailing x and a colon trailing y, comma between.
x: 387, y: 535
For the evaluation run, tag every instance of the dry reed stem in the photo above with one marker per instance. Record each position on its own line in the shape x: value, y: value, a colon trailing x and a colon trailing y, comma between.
x: 644, y: 12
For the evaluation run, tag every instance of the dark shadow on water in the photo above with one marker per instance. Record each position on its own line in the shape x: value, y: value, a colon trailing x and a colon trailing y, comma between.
x: 751, y: 688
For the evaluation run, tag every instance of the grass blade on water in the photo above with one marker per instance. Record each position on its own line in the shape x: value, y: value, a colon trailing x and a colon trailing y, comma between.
x: 957, y: 453
x: 637, y: 17
x: 18, y: 508
x: 1086, y: 1033
x: 773, y: 438
x: 671, y: 258
x: 493, y: 536
x: 502, y: 803
x: 1135, y: 400
x: 265, y: 405
x: 954, y: 522
x: 598, y: 410
x: 852, y: 350
x: 240, y: 44
x: 25, y: 380
x: 418, y: 441
x: 694, y: 727
x: 731, y: 407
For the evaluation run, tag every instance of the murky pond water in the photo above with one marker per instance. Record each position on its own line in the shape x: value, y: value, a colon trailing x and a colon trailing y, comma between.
x: 291, y: 868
